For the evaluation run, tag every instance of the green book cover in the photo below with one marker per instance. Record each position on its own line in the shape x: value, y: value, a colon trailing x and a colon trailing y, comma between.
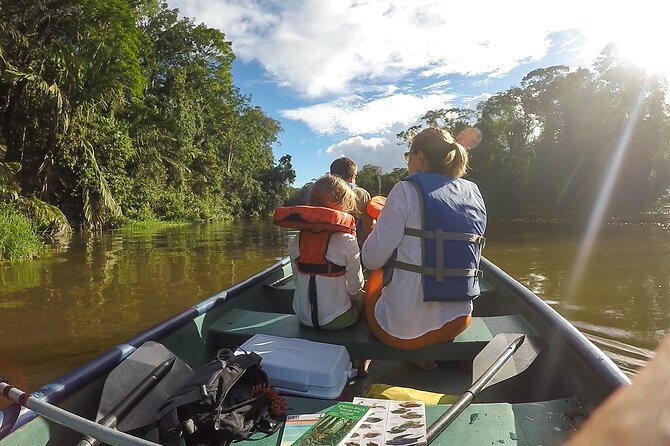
x: 334, y: 426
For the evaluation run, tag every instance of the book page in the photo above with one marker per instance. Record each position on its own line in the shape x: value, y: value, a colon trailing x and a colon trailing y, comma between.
x: 390, y: 423
x: 338, y: 422
x: 296, y: 425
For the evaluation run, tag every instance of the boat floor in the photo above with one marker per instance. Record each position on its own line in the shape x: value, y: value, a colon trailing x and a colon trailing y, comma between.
x: 501, y: 414
x: 538, y: 423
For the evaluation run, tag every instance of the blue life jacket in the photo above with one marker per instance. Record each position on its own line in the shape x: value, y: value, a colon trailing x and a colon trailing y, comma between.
x: 454, y: 220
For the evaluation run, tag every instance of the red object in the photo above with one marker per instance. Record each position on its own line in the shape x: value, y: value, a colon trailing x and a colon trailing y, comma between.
x: 375, y: 206
x: 315, y: 218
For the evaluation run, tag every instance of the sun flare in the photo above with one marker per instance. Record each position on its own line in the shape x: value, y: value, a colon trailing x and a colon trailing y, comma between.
x: 641, y: 51
x: 639, y: 35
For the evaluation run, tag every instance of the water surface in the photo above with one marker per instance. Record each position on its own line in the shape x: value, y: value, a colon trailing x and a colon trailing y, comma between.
x: 61, y: 311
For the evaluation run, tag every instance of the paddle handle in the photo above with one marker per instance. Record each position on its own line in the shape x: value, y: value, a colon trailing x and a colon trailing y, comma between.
x: 450, y: 415
x: 125, y: 405
x: 464, y: 401
x: 71, y: 420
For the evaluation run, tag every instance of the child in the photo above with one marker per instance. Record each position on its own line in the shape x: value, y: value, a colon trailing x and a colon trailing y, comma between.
x: 324, y: 299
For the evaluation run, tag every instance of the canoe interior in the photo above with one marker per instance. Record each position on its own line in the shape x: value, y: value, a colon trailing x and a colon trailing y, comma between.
x: 543, y: 405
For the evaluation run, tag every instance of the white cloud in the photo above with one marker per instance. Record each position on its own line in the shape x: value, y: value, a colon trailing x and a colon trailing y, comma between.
x: 322, y: 47
x: 370, y: 68
x: 331, y: 46
x: 471, y: 102
x: 383, y: 151
x: 355, y: 115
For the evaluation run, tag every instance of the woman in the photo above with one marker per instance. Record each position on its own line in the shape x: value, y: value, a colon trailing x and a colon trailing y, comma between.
x: 428, y: 238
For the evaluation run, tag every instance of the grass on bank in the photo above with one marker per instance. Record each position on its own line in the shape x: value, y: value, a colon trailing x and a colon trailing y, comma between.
x: 18, y: 236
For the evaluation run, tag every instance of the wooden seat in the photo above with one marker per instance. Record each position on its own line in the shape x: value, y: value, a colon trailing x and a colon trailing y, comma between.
x: 238, y: 325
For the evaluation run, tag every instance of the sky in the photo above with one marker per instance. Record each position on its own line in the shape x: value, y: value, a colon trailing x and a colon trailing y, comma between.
x: 343, y: 77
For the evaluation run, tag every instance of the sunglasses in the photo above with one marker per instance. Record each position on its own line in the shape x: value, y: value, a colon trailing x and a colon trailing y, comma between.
x: 407, y: 155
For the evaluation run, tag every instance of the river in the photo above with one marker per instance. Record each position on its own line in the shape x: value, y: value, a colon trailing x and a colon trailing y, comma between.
x: 60, y: 311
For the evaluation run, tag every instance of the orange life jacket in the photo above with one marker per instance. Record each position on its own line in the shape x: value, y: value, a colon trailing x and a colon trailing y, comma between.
x: 375, y: 206
x: 316, y: 225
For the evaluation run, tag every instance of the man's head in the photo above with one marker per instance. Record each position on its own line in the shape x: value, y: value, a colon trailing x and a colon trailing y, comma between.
x: 344, y: 168
x: 469, y: 137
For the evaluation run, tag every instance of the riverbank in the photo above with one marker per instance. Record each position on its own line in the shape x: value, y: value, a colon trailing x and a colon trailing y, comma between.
x: 19, y: 239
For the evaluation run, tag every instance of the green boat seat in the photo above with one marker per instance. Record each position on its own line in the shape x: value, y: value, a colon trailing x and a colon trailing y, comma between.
x: 238, y: 325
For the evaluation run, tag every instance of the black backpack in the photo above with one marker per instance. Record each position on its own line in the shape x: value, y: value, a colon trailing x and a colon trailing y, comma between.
x: 227, y: 400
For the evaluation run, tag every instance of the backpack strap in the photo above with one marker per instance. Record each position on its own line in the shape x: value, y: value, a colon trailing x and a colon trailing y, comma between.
x: 226, y: 364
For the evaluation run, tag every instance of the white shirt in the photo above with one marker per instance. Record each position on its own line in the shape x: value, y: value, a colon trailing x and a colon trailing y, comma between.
x: 400, y: 310
x: 333, y: 293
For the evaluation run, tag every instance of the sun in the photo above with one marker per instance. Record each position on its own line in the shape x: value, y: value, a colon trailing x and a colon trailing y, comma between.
x: 639, y: 32
x: 638, y: 49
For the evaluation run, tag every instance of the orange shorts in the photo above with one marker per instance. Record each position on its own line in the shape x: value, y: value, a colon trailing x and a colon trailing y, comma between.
x: 446, y: 333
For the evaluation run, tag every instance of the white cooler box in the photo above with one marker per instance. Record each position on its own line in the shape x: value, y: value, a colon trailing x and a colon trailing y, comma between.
x: 301, y: 367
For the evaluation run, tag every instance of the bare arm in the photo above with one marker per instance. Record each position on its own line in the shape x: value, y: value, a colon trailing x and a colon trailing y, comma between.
x: 634, y: 415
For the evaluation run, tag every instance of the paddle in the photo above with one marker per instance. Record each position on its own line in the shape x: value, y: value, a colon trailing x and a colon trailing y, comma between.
x: 134, y: 373
x: 490, y: 366
x: 71, y: 420
x: 129, y: 374
x: 130, y: 401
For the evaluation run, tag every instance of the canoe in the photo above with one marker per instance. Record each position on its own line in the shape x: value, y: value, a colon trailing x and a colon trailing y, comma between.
x: 543, y: 404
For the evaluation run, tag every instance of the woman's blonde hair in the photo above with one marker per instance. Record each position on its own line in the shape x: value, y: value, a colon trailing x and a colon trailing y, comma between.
x: 444, y: 154
x: 332, y: 192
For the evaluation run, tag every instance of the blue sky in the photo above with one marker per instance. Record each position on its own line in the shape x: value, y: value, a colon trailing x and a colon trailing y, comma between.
x: 344, y: 76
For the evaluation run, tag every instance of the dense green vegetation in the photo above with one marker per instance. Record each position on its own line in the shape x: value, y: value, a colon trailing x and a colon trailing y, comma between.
x: 549, y: 144
x: 18, y: 238
x: 118, y: 110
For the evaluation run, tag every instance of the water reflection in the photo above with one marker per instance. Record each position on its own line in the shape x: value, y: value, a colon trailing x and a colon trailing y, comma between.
x: 59, y: 312
x: 624, y: 295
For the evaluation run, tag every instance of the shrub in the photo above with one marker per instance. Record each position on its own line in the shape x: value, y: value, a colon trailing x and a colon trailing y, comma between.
x: 18, y: 236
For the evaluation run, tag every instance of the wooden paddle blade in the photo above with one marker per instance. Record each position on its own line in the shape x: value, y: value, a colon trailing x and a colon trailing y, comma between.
x: 128, y: 375
x: 523, y: 357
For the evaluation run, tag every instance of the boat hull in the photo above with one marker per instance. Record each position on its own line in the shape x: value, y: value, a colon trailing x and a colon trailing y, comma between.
x: 571, y: 376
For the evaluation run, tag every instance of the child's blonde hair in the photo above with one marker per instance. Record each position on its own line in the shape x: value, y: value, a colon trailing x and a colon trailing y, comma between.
x: 332, y: 192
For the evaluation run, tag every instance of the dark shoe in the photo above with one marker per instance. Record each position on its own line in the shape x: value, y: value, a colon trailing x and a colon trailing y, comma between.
x: 361, y: 366
x: 426, y: 365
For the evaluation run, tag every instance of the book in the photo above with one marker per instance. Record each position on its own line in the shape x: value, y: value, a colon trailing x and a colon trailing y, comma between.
x: 390, y: 423
x: 296, y: 425
x: 334, y: 425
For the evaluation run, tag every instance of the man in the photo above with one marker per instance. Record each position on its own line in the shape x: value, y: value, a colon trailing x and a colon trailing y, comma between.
x: 469, y: 137
x: 346, y: 169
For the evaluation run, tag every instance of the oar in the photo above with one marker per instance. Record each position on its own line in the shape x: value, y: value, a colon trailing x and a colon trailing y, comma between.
x: 134, y: 372
x: 71, y: 420
x: 491, y: 365
x: 129, y: 374
x: 130, y: 400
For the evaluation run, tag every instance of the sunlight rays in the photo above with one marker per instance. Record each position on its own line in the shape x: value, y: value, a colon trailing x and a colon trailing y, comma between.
x: 597, y: 215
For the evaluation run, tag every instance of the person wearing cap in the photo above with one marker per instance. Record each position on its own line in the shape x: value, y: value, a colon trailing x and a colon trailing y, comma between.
x: 428, y: 239
x: 346, y: 169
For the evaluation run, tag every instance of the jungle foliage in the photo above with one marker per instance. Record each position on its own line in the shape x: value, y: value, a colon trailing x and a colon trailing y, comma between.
x: 549, y: 144
x: 115, y: 110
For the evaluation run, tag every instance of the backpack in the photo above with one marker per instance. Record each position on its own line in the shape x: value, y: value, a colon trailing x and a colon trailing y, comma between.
x: 227, y: 400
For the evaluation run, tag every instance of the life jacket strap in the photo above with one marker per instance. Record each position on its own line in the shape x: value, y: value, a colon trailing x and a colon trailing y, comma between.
x: 321, y: 269
x: 432, y: 271
x: 439, y: 235
x: 440, y: 272
x: 313, y: 302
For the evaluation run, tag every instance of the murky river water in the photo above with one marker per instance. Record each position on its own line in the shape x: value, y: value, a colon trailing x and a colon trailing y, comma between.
x: 61, y: 311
